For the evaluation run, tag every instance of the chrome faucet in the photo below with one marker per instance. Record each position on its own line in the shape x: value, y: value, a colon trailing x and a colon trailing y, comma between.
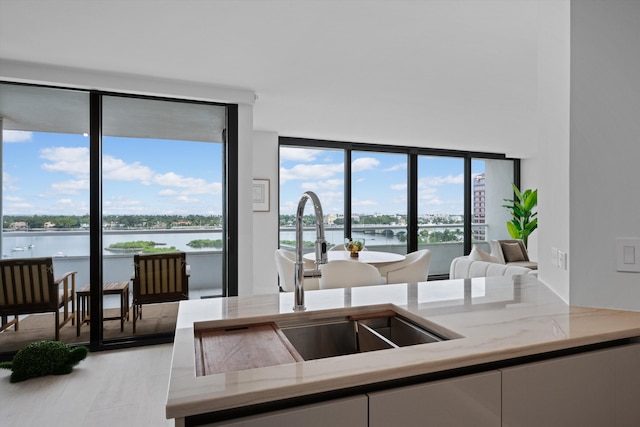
x: 321, y: 247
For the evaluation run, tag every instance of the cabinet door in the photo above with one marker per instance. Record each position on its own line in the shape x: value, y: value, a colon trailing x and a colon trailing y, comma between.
x: 347, y: 412
x: 472, y: 400
x: 598, y: 388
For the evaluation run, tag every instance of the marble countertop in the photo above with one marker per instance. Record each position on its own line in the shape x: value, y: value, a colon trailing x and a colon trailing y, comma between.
x: 492, y: 319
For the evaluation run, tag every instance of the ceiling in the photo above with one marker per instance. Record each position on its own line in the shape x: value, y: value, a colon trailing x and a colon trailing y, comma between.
x: 457, y: 74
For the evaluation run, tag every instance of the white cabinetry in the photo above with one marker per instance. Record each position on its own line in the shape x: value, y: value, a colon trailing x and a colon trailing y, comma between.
x: 598, y: 388
x: 472, y: 400
x: 347, y: 412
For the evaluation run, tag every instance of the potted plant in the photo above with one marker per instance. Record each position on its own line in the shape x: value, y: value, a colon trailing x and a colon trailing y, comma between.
x: 523, y: 221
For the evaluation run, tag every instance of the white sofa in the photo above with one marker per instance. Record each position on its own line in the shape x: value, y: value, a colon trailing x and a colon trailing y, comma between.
x: 465, y: 268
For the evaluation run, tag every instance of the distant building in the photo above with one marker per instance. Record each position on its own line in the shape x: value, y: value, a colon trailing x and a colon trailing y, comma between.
x: 49, y: 224
x: 478, y: 206
x: 20, y: 225
x: 330, y: 219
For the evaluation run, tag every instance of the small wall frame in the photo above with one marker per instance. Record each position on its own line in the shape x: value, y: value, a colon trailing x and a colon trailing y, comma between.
x: 260, y: 194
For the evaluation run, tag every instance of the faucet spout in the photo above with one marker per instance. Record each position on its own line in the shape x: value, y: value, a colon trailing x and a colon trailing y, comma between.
x: 321, y: 246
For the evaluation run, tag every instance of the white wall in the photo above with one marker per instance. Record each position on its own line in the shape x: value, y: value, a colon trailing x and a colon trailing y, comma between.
x: 548, y: 169
x: 605, y: 149
x: 265, y: 224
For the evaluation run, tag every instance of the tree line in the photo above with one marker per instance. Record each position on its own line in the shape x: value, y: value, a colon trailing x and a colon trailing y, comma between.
x: 113, y: 221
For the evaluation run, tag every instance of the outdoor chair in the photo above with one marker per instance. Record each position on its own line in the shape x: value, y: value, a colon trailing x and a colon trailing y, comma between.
x: 27, y: 286
x: 158, y: 278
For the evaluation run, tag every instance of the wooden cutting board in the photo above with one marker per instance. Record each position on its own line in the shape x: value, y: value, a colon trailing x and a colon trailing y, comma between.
x: 238, y: 348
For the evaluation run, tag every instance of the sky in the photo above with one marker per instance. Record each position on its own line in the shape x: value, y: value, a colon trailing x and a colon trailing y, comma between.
x: 379, y: 181
x: 48, y: 173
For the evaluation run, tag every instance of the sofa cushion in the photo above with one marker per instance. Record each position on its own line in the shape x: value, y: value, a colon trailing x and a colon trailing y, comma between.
x: 513, y: 252
x: 478, y: 254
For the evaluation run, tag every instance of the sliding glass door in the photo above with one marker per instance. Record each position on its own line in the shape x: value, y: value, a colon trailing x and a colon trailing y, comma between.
x: 92, y: 180
x: 162, y: 192
x: 45, y: 201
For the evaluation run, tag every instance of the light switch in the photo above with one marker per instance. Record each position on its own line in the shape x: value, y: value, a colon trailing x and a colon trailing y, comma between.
x: 628, y: 254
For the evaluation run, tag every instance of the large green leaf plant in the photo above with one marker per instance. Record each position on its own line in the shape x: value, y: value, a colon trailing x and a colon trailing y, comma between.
x: 523, y: 221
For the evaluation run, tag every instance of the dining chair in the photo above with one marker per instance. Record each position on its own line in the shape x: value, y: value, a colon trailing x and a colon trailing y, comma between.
x: 286, y: 265
x: 414, y: 268
x: 158, y: 278
x: 28, y: 286
x: 348, y: 274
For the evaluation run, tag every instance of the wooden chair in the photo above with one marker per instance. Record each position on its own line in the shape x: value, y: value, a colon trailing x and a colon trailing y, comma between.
x: 158, y: 278
x: 27, y: 286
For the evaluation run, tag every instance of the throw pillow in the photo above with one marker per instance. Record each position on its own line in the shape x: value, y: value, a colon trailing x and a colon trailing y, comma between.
x: 478, y: 254
x: 512, y: 252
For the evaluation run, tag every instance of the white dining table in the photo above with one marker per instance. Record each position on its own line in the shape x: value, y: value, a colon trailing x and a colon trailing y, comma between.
x: 375, y: 258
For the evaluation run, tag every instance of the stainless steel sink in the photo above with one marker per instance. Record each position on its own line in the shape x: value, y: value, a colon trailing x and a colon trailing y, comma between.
x: 343, y: 335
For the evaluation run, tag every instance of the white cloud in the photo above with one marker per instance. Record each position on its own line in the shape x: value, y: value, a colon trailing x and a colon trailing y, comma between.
x: 442, y: 180
x: 399, y: 187
x: 315, y: 172
x: 74, y: 161
x: 298, y: 154
x: 16, y: 136
x: 398, y: 167
x: 167, y: 192
x: 118, y: 170
x: 185, y: 199
x: 329, y: 184
x: 364, y: 163
x: 70, y: 187
x: 65, y: 203
x: 122, y: 203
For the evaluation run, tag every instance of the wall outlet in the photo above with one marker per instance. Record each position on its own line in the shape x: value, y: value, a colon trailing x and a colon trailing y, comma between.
x: 562, y: 260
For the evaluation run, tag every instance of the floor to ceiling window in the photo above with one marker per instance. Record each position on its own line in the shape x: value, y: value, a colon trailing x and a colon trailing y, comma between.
x: 441, y: 209
x: 399, y: 199
x: 491, y: 185
x: 162, y: 188
x: 379, y: 200
x: 320, y: 170
x: 45, y: 194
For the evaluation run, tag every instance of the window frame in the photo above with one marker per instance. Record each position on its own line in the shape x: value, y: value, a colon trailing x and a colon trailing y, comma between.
x: 412, y: 179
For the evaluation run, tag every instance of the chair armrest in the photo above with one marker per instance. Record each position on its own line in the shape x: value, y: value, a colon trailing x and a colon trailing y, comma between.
x: 65, y: 277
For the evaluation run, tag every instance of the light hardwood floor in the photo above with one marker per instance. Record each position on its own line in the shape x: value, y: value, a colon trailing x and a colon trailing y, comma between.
x: 110, y: 388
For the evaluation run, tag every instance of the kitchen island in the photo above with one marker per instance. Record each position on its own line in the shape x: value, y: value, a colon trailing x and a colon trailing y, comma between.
x: 494, y: 326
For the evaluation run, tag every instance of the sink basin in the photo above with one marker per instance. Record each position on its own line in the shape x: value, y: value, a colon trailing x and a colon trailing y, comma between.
x: 343, y: 335
x: 296, y: 337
